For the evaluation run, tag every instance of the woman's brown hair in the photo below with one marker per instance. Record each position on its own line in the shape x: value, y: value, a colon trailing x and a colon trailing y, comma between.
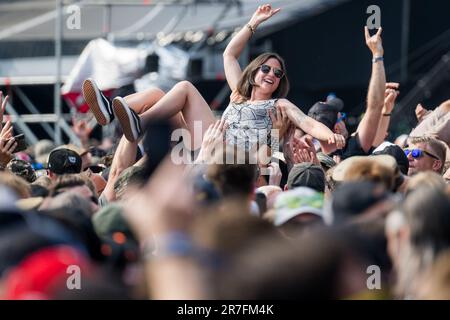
x: 247, y: 80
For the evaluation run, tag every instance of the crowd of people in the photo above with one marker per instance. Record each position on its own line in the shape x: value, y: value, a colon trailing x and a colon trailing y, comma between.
x: 266, y: 203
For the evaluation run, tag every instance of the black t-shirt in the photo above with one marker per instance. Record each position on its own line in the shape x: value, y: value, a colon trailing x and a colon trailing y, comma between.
x: 352, y: 148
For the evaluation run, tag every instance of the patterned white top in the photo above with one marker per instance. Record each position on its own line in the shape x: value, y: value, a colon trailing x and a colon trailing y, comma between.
x: 249, y: 124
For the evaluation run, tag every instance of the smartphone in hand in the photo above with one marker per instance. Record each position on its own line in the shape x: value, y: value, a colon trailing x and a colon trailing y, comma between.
x: 21, y: 143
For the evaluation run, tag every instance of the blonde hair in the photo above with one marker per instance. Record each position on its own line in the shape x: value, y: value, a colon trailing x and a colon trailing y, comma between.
x: 371, y: 171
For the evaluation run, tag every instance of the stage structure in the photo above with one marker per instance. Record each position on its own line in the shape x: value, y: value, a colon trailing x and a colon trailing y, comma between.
x: 173, y: 40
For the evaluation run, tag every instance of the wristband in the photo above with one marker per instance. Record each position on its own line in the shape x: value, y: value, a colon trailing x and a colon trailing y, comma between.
x: 169, y: 245
x: 376, y: 59
x: 250, y: 28
x: 387, y: 114
x: 178, y: 244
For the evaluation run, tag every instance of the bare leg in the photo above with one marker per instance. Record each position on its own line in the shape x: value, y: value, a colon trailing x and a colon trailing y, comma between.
x: 184, y: 98
x: 144, y: 100
x: 125, y: 155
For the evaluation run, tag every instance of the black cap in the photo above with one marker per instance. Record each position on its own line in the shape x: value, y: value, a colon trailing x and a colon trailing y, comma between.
x: 64, y: 161
x: 306, y: 175
x: 326, y: 112
x: 399, y: 155
x: 353, y: 198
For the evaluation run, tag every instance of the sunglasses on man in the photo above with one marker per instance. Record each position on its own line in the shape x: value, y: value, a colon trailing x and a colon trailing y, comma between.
x: 418, y: 153
x: 277, y: 72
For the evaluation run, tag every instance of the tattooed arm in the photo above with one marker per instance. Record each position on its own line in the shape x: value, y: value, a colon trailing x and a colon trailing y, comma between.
x: 309, y: 125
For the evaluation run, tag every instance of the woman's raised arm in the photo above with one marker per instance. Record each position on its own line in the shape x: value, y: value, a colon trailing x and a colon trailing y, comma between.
x: 234, y: 48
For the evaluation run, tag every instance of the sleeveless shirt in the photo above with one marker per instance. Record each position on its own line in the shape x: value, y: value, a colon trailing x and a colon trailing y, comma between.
x: 249, y: 124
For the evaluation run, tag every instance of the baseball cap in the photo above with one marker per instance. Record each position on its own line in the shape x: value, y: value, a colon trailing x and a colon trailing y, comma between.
x: 353, y: 198
x: 64, y: 161
x: 130, y: 175
x: 110, y: 219
x: 119, y: 242
x: 325, y: 160
x: 326, y: 112
x: 306, y: 175
x: 22, y: 169
x: 292, y: 203
x: 396, y: 152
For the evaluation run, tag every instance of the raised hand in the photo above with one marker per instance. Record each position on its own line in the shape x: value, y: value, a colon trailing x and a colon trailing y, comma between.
x: 280, y: 121
x: 7, y: 147
x: 211, y: 140
x: 374, y: 42
x: 305, y: 155
x: 421, y: 112
x: 263, y: 13
x: 337, y: 139
x: 390, y: 96
x: 304, y: 150
x: 6, y: 131
x: 3, y: 103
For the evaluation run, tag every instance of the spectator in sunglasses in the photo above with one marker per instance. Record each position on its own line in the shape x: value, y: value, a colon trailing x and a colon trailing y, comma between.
x: 425, y: 154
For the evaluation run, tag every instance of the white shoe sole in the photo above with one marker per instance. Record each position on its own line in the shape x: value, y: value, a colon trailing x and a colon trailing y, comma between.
x: 94, y: 100
x: 128, y: 121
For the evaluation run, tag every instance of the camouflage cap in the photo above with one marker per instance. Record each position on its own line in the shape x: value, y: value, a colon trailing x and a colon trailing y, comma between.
x: 131, y: 175
x: 325, y: 160
x: 22, y: 169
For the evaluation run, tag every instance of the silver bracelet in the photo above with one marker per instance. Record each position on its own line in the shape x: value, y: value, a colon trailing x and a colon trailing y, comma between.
x: 376, y: 59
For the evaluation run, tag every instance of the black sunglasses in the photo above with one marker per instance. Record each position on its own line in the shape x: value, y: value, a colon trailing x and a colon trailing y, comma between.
x: 277, y: 72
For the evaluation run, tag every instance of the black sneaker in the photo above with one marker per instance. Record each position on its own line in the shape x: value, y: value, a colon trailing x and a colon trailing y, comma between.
x: 128, y: 119
x: 99, y: 105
